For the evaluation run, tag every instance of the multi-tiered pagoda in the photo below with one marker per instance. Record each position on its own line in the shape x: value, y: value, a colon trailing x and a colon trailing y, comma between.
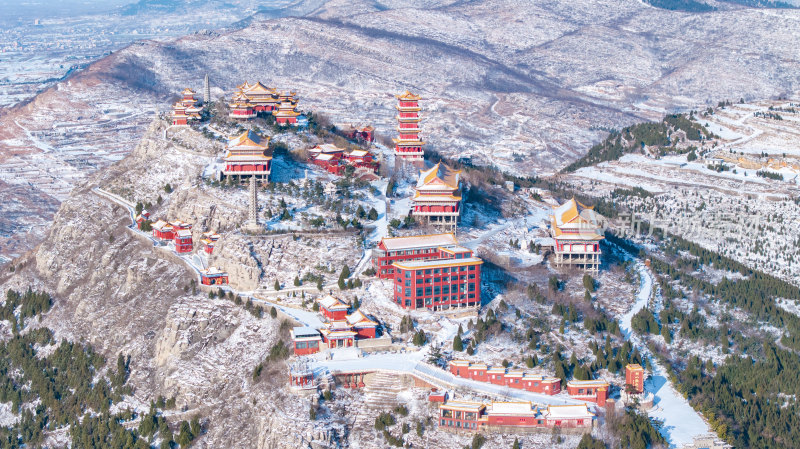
x: 437, y: 197
x: 408, y: 144
x: 190, y: 103
x: 248, y: 156
x: 186, y: 109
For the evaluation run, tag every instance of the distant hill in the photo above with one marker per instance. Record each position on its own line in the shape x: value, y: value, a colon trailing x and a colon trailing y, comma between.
x: 706, y: 6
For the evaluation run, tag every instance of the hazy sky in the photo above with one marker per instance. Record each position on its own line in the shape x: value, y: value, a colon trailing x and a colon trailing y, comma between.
x: 24, y: 9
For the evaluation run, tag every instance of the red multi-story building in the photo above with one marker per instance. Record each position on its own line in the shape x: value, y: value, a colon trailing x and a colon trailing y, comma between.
x: 589, y: 390
x: 437, y: 197
x: 183, y: 241
x: 261, y: 97
x: 634, y: 376
x: 407, y: 249
x: 439, y: 284
x: 248, y: 155
x: 408, y: 144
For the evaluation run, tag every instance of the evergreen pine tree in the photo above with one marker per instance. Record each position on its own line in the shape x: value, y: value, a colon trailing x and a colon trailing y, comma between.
x: 458, y: 345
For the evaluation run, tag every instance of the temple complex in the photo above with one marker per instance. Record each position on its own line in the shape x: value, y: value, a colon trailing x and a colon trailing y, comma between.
x: 575, y: 229
x: 437, y: 197
x: 248, y: 156
x: 408, y: 145
x: 250, y: 99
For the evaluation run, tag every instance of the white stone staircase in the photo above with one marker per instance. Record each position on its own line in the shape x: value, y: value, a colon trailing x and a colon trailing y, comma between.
x: 380, y: 395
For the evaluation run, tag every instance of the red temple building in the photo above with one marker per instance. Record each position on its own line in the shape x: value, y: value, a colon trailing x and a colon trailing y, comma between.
x: 248, y: 155
x: 634, y: 376
x: 359, y: 133
x: 362, y: 325
x: 209, y: 240
x: 286, y: 114
x: 338, y: 334
x: 250, y: 99
x: 335, y: 160
x: 177, y: 225
x: 437, y: 197
x: 213, y: 276
x: 512, y: 417
x: 240, y: 107
x: 141, y: 218
x: 575, y: 229
x: 339, y: 330
x: 163, y: 231
x: 261, y: 97
x: 183, y: 241
x: 179, y: 117
x: 589, y: 390
x: 407, y: 249
x: 333, y: 309
x: 408, y: 145
x: 306, y: 340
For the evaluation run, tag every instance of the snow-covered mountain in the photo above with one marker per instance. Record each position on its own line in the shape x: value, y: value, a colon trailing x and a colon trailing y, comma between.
x: 527, y: 87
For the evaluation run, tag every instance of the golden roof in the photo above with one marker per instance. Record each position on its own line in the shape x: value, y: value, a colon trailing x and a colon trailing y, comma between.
x: 188, y: 91
x: 249, y: 139
x: 244, y: 86
x: 259, y: 88
x: 408, y: 96
x: 440, y: 174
